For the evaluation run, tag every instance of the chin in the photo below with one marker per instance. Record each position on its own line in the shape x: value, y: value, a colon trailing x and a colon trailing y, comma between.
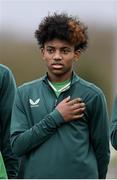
x: 58, y: 72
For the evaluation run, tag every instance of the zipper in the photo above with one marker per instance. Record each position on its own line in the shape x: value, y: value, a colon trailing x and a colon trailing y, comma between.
x: 53, y: 94
x: 55, y: 103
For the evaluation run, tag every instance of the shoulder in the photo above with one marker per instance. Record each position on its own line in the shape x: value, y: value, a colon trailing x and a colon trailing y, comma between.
x: 91, y: 92
x: 30, y: 85
x: 90, y: 87
x: 6, y: 75
x: 93, y: 95
x: 4, y: 69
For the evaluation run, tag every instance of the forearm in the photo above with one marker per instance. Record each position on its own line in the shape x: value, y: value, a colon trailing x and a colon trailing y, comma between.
x: 100, y: 134
x: 103, y: 156
x: 11, y: 162
x: 23, y: 142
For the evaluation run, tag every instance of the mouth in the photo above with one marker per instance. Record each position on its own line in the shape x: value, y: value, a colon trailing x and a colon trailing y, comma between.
x: 57, y: 65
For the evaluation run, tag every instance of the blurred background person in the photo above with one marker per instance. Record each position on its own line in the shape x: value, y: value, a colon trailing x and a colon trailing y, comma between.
x: 113, y: 128
x: 7, y: 94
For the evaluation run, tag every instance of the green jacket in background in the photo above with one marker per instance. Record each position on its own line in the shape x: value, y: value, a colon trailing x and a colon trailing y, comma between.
x: 113, y: 129
x: 53, y: 148
x: 3, y: 174
x: 7, y: 93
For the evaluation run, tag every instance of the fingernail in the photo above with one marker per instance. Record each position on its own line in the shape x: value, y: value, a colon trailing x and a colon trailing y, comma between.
x: 68, y: 97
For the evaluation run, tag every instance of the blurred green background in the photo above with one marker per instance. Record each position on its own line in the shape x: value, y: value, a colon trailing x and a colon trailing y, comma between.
x: 20, y: 52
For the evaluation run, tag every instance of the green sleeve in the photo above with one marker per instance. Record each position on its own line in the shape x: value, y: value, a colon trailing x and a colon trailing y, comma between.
x: 99, y: 133
x: 113, y: 127
x: 23, y: 138
x: 7, y: 93
x: 3, y: 174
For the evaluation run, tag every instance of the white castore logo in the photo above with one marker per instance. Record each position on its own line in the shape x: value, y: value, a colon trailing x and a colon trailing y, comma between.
x: 34, y: 103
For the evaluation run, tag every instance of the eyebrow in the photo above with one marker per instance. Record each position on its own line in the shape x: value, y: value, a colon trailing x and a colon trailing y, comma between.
x: 64, y: 47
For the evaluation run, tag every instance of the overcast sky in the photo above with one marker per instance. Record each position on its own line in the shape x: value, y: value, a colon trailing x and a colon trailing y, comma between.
x: 25, y: 15
x: 21, y: 17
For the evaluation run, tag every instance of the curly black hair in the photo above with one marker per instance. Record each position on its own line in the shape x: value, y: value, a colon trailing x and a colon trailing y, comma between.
x: 63, y: 27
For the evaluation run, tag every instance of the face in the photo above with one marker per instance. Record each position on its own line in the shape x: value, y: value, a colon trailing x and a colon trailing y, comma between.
x: 59, y: 57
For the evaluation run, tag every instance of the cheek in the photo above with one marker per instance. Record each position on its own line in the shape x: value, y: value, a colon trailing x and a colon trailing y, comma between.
x: 70, y: 60
x: 45, y: 57
x: 47, y: 61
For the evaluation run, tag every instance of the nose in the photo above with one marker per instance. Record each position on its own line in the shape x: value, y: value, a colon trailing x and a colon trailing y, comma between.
x: 57, y: 56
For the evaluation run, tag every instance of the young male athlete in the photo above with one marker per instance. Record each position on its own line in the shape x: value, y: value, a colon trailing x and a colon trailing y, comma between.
x: 8, y: 161
x: 114, y: 125
x: 60, y: 121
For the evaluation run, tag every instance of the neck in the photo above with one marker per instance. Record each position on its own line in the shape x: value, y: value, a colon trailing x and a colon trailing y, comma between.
x: 59, y: 78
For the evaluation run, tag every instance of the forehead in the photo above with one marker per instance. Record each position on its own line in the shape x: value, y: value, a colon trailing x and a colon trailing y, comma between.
x: 56, y: 43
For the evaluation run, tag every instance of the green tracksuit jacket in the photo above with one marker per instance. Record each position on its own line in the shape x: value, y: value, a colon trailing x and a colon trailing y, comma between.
x: 113, y: 128
x: 53, y: 148
x: 7, y: 93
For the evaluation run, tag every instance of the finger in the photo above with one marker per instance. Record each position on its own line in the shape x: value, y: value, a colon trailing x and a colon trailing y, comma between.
x: 78, y: 116
x: 77, y: 106
x: 67, y: 99
x: 78, y: 111
x: 79, y: 100
x: 75, y: 101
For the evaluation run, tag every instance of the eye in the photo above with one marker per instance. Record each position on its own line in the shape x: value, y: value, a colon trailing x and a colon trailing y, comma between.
x: 65, y: 51
x: 50, y: 50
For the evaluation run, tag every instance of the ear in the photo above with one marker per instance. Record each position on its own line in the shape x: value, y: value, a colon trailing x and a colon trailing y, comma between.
x: 77, y: 55
x: 42, y: 53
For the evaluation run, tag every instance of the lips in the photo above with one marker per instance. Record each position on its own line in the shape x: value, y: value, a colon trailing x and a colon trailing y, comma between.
x: 57, y: 65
